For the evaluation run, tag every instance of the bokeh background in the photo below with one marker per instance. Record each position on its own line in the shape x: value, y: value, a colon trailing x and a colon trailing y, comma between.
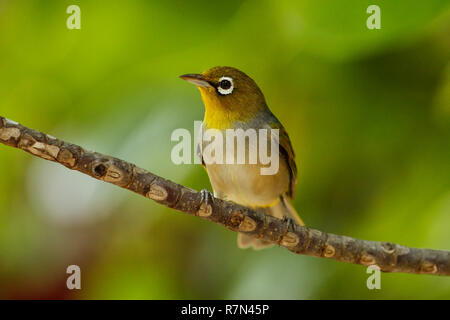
x: 368, y: 112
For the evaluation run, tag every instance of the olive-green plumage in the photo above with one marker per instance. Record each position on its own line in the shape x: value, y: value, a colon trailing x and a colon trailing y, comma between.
x: 234, y: 101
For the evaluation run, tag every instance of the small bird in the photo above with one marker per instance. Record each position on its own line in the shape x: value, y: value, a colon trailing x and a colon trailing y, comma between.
x: 234, y: 101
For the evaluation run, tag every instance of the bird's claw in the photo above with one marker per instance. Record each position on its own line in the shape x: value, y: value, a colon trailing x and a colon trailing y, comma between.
x: 290, y: 223
x: 206, y: 205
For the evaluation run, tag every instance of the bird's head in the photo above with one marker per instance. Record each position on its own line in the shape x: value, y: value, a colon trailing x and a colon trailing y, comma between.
x: 229, y: 95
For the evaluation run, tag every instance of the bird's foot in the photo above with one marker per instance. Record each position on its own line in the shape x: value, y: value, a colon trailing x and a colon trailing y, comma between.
x: 206, y: 205
x: 290, y: 223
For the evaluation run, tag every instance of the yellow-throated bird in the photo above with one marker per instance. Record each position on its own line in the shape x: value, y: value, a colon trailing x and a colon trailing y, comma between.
x: 232, y: 101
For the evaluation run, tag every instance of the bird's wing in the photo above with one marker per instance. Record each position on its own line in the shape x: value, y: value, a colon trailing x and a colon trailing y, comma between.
x: 199, y: 145
x: 287, y: 152
x: 199, y: 154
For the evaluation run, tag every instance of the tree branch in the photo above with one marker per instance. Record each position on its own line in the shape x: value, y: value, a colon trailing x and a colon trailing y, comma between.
x: 302, y: 240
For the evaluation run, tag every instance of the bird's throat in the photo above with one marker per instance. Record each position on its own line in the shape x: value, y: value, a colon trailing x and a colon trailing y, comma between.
x: 222, y: 115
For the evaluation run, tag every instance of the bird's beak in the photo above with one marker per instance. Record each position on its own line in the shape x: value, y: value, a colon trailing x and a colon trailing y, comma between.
x: 197, y: 79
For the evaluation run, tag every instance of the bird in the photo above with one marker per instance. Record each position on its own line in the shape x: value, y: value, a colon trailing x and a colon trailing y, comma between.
x: 233, y: 100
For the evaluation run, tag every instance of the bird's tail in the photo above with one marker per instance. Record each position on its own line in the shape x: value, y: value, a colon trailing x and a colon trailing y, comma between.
x: 291, y: 212
x: 281, y: 209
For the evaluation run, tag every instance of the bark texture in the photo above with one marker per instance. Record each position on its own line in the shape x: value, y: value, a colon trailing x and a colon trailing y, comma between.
x: 389, y: 257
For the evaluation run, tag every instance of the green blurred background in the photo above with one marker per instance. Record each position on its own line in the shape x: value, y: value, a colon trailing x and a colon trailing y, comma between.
x: 368, y: 112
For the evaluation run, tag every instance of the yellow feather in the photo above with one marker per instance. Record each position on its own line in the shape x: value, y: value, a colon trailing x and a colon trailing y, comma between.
x: 220, y: 115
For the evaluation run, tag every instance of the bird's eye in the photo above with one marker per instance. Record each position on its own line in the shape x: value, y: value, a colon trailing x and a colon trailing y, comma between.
x: 225, y: 85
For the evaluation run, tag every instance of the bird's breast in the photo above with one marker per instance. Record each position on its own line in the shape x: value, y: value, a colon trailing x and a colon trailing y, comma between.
x: 235, y: 166
x: 244, y: 184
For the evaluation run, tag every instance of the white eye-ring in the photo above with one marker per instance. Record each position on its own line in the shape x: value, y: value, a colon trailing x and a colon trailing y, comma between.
x: 225, y: 85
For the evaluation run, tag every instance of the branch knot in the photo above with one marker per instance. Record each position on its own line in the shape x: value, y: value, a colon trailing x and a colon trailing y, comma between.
x: 157, y: 193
